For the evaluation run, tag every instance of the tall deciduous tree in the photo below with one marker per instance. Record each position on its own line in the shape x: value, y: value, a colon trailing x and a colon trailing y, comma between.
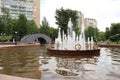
x: 46, y: 29
x: 6, y: 21
x: 1, y: 25
x: 91, y: 32
x: 62, y: 18
x: 32, y: 27
x: 107, y: 33
x: 101, y: 36
x: 22, y: 25
x: 115, y: 32
x: 115, y: 28
x: 45, y: 22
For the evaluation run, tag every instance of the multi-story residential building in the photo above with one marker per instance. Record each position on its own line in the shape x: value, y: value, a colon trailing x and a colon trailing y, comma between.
x: 79, y: 19
x: 90, y: 22
x: 31, y: 9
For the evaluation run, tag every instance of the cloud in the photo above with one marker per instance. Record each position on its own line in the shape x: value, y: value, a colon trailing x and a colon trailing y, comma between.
x: 105, y: 11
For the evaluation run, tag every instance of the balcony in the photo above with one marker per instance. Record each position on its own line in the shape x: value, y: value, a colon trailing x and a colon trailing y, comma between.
x: 30, y: 1
x: 14, y: 12
x: 22, y: 9
x: 23, y: 4
x: 15, y: 3
x: 14, y: 9
x: 29, y: 10
x: 22, y: 12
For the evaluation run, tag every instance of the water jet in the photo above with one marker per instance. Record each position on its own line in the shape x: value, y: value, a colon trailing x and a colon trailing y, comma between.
x: 71, y: 44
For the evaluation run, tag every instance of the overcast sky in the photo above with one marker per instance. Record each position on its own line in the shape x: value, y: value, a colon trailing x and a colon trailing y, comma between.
x: 104, y: 11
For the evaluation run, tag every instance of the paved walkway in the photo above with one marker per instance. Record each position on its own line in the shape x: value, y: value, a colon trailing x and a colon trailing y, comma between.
x: 6, y: 45
x: 18, y: 45
x: 7, y: 77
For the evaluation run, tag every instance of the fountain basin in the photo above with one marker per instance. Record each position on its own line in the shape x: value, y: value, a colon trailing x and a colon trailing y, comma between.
x: 73, y: 52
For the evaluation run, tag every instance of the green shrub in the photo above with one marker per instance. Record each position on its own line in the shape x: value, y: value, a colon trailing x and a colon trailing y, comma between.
x: 5, y: 38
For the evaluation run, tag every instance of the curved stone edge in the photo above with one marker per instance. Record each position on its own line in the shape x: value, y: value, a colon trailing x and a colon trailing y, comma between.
x: 2, y: 47
x: 31, y: 38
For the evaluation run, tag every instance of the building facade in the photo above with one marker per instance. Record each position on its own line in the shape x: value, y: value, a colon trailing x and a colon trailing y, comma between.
x: 90, y: 22
x: 31, y: 9
x: 80, y: 17
x: 85, y: 22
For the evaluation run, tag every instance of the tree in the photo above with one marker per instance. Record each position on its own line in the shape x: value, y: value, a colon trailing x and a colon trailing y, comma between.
x: 91, y: 32
x: 22, y: 25
x: 14, y: 25
x: 45, y: 22
x: 115, y: 38
x: 62, y: 18
x: 115, y: 32
x: 115, y: 28
x: 32, y: 27
x: 6, y: 21
x: 1, y: 25
x: 107, y: 33
x: 101, y: 36
x: 46, y: 29
x: 53, y: 33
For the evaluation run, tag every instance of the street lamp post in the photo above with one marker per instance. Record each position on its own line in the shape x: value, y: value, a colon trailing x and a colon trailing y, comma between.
x: 15, y: 35
x: 14, y: 38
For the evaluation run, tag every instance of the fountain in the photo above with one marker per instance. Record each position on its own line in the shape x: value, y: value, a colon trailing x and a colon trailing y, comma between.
x: 72, y: 44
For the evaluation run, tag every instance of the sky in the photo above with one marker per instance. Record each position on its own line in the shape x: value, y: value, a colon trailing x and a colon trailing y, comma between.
x: 104, y: 11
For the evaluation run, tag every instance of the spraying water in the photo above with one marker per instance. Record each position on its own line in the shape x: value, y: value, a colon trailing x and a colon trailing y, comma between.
x: 71, y: 41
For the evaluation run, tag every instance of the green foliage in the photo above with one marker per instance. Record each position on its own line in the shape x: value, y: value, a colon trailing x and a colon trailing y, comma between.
x: 22, y: 25
x: 49, y: 31
x: 53, y: 33
x: 113, y: 33
x: 115, y: 28
x: 5, y: 21
x: 107, y: 33
x: 62, y: 18
x: 46, y: 29
x: 115, y: 38
x: 101, y: 36
x: 1, y: 25
x: 5, y: 38
x: 14, y: 25
x: 32, y: 27
x: 45, y: 22
x: 91, y: 32
x: 5, y: 10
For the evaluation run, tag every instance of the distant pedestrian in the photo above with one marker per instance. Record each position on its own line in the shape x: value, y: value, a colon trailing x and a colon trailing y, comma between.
x: 108, y: 42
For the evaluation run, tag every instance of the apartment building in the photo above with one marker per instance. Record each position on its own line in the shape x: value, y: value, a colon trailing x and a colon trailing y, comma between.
x: 85, y: 22
x: 31, y: 8
x: 79, y: 19
x: 90, y: 22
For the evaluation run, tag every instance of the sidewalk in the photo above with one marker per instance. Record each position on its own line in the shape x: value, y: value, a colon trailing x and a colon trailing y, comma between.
x: 7, y: 77
x: 6, y: 45
x: 18, y: 45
